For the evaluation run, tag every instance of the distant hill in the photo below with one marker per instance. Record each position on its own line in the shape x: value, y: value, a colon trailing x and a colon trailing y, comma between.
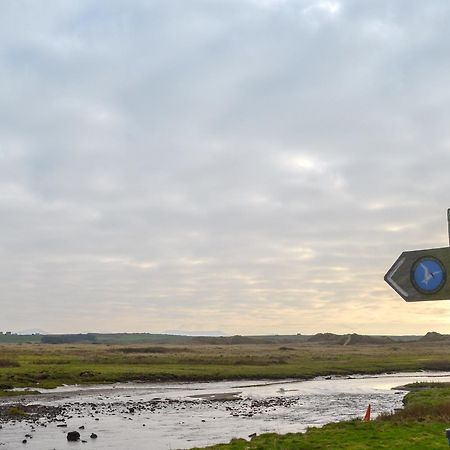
x: 432, y: 336
x: 325, y: 338
x: 348, y: 339
x: 194, y: 333
x: 157, y: 339
x: 354, y: 339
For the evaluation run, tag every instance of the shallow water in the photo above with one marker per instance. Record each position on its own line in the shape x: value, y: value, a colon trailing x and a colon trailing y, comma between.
x: 138, y: 416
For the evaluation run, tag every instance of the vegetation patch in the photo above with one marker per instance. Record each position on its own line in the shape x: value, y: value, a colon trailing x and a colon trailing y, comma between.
x: 16, y: 411
x: 443, y: 364
x: 6, y: 393
x: 51, y: 365
x: 8, y: 363
x: 155, y: 349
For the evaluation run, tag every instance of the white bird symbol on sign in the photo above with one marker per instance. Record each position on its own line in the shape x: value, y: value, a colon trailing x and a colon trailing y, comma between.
x: 427, y: 274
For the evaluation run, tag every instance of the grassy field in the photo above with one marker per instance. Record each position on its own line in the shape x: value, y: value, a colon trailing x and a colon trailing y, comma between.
x: 50, y: 365
x: 419, y: 426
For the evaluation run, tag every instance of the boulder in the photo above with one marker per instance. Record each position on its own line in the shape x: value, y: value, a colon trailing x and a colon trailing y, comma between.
x: 73, y: 436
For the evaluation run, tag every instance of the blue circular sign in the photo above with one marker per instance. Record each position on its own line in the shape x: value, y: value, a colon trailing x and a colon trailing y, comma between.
x: 428, y: 275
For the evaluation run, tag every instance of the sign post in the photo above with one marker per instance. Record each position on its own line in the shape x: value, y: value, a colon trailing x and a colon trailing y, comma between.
x: 421, y: 275
x: 448, y: 222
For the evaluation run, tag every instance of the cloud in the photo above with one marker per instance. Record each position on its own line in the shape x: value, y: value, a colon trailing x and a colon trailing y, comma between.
x: 250, y: 166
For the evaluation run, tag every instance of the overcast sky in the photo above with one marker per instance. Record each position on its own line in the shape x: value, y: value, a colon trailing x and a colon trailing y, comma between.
x: 248, y: 166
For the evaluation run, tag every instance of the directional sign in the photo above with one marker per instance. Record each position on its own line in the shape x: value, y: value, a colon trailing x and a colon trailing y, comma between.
x: 421, y: 275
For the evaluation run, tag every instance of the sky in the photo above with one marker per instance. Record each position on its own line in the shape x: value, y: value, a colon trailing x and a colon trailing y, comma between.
x: 243, y: 166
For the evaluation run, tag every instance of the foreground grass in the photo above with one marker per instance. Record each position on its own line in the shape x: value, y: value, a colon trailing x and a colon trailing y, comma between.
x: 354, y: 435
x: 419, y: 426
x: 47, y: 365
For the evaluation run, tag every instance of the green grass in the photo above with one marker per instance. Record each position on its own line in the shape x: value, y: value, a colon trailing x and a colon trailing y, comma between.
x: 427, y: 393
x: 5, y: 393
x: 355, y: 435
x: 50, y: 365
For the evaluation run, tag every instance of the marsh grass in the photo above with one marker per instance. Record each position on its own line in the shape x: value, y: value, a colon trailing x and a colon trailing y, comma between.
x: 158, y: 349
x: 16, y: 411
x: 8, y: 363
x: 50, y: 365
x: 421, y: 413
x: 443, y: 364
x: 8, y: 393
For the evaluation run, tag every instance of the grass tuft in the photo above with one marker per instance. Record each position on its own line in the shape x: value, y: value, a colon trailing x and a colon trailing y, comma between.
x: 17, y: 411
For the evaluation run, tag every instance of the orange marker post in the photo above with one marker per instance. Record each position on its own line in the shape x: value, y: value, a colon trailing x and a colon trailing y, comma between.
x: 367, y: 415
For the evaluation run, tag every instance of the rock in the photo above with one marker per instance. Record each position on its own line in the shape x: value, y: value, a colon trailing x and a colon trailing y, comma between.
x: 73, y: 436
x: 93, y: 436
x: 252, y: 435
x: 81, y: 428
x: 62, y: 425
x: 24, y: 441
x: 86, y: 374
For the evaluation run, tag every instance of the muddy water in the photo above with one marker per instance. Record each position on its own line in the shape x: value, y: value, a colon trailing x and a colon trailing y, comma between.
x: 138, y: 416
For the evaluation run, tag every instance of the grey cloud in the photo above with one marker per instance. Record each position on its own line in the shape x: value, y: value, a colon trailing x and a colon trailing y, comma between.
x: 251, y: 166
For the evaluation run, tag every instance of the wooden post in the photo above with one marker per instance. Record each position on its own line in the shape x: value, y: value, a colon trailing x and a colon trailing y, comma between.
x: 448, y: 222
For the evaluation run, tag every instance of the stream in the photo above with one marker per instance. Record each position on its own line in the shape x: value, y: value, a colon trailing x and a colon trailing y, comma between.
x: 154, y: 416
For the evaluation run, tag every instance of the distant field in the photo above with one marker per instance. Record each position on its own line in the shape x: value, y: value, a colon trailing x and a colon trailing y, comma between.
x: 147, y: 338
x: 50, y: 365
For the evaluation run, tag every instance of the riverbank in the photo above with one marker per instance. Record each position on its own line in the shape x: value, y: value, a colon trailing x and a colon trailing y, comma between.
x: 420, y: 425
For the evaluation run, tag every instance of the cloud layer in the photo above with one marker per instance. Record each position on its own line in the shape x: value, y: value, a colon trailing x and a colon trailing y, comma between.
x: 253, y: 166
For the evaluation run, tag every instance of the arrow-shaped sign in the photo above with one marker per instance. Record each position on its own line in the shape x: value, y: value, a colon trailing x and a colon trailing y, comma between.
x: 421, y: 275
